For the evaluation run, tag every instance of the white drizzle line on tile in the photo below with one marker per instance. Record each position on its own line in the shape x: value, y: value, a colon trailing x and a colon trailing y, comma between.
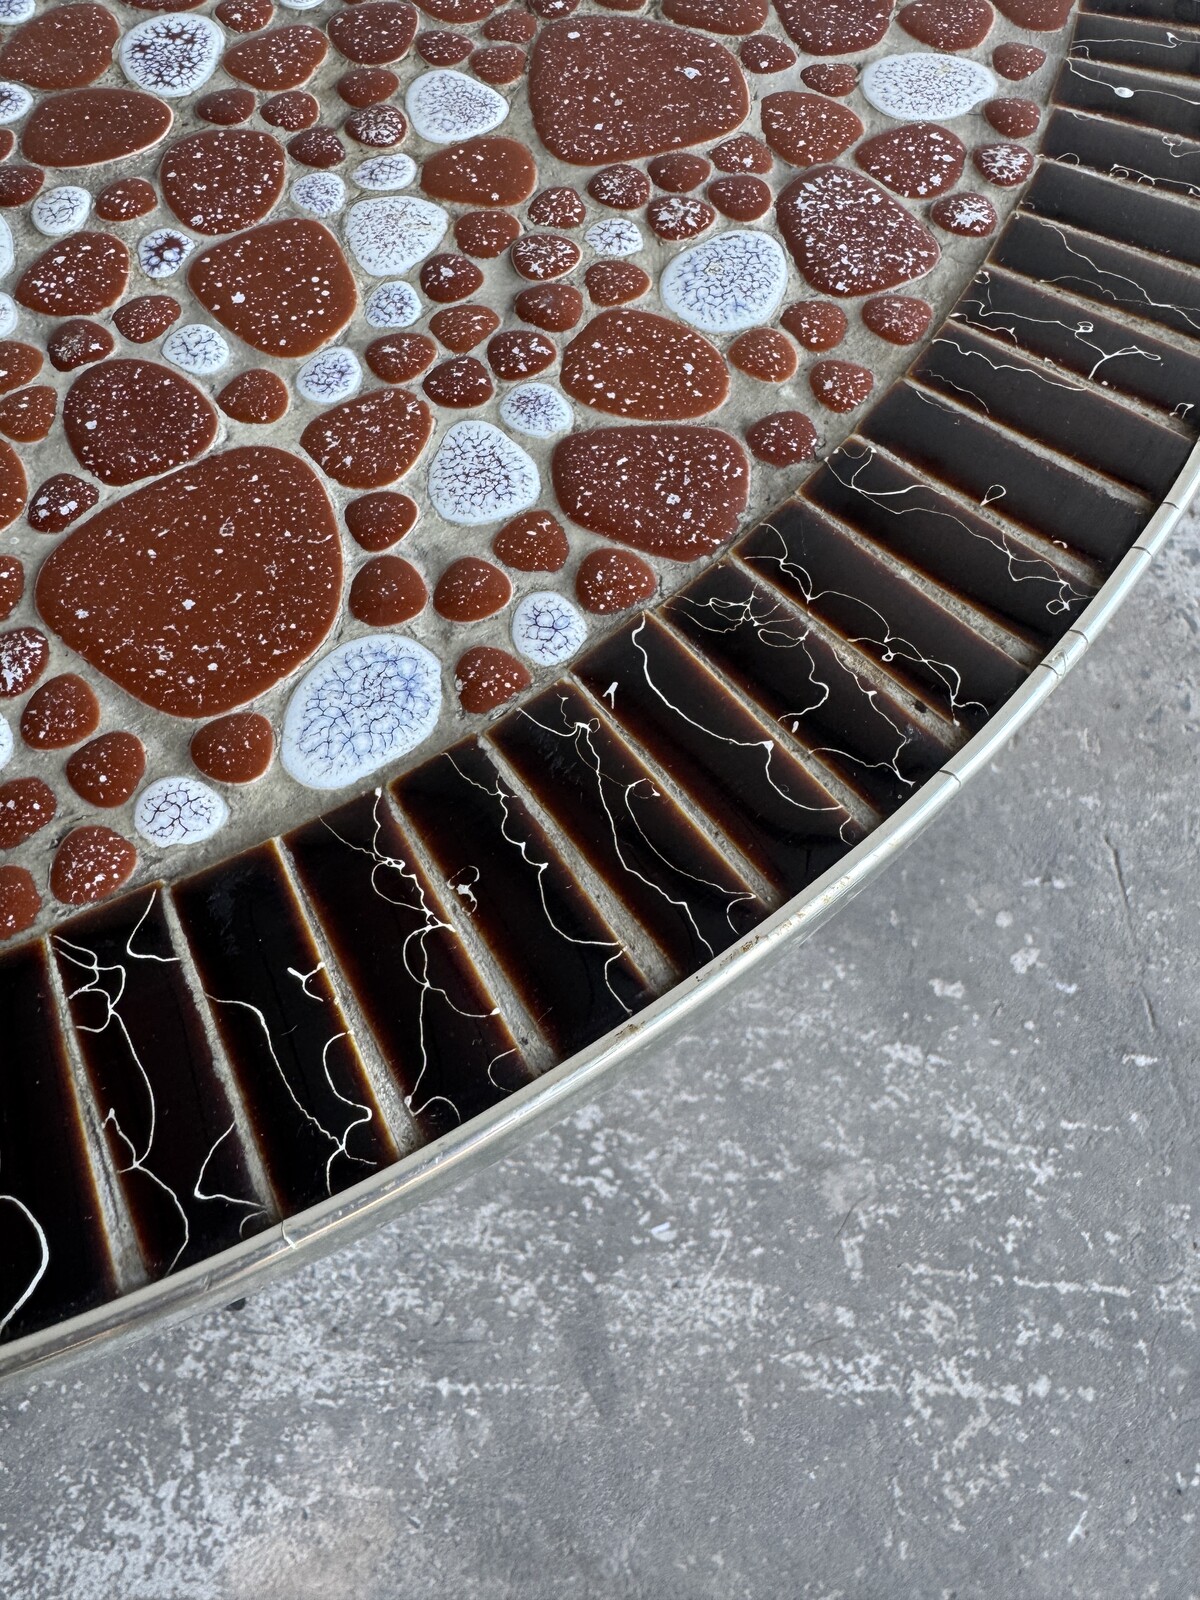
x: 1190, y: 314
x: 999, y: 366
x: 1066, y: 597
x: 414, y: 954
x: 780, y: 627
x: 88, y: 962
x: 1175, y: 145
x: 1079, y: 47
x: 541, y: 868
x: 338, y: 1141
x: 894, y: 646
x: 768, y: 747
x: 1121, y: 91
x: 39, y: 1270
x: 1078, y: 330
x: 580, y: 733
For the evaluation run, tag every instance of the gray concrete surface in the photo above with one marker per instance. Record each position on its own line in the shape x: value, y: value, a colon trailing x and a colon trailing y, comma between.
x: 886, y: 1286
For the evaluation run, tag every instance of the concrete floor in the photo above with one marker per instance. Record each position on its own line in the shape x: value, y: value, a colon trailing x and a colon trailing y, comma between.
x: 886, y: 1286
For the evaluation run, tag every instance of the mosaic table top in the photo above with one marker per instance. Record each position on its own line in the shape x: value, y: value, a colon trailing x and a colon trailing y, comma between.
x: 508, y: 512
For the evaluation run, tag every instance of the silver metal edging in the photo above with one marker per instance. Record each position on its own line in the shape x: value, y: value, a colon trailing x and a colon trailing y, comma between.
x: 1181, y: 491
x: 317, y: 1230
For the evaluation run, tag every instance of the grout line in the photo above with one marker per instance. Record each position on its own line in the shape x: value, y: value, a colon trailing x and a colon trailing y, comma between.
x: 116, y: 1219
x: 397, y: 1119
x: 929, y: 718
x: 751, y: 875
x: 537, y: 1053
x: 223, y: 1069
x: 635, y: 940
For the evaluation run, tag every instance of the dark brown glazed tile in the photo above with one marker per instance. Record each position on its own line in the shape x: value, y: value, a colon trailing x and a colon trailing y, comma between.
x: 430, y: 1013
x: 55, y: 1262
x: 1124, y: 214
x: 1144, y: 97
x: 288, y: 1043
x: 1046, y: 495
x: 780, y: 815
x: 627, y: 827
x: 171, y: 1130
x: 569, y: 968
x: 1119, y: 150
x: 1145, y: 288
x: 1077, y: 339
x: 1022, y: 395
x: 907, y: 627
x: 813, y: 684
x: 1124, y: 41
x: 1006, y: 577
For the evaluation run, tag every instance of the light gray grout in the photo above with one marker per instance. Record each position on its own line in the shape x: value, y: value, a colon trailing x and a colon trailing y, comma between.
x: 637, y: 942
x: 116, y: 1220
x: 222, y: 1067
x: 397, y: 1118
x: 930, y: 719
x: 536, y: 1050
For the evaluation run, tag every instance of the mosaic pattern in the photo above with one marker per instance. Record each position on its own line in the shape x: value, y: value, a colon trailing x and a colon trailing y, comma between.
x: 412, y: 358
